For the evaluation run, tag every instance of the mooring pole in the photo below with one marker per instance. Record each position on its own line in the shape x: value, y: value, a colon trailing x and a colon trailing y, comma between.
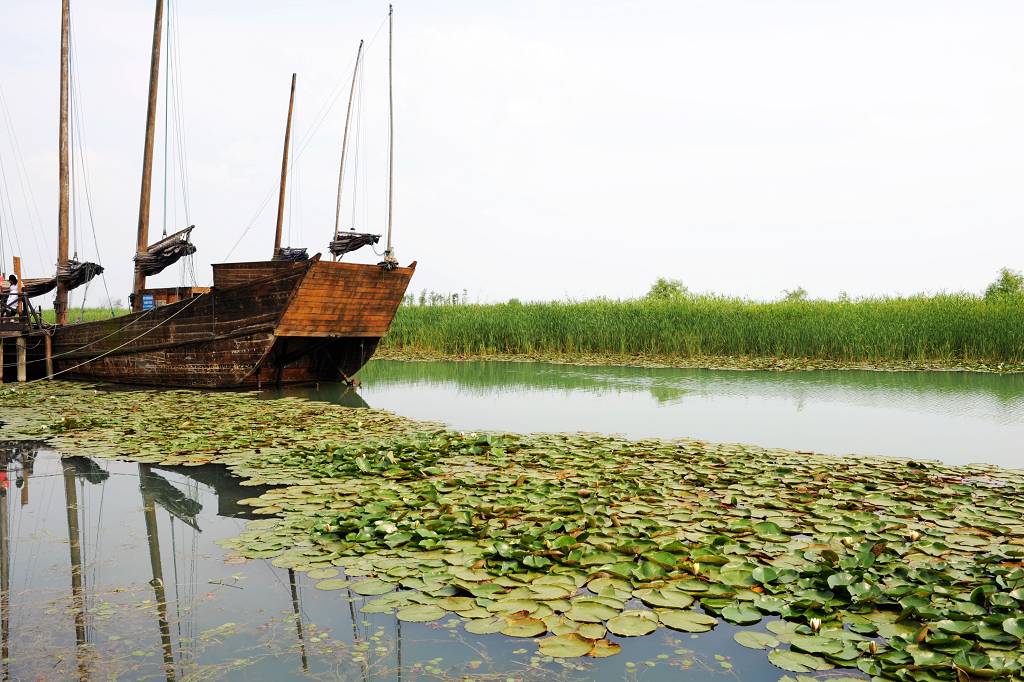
x: 22, y: 359
x: 142, y: 242
x: 48, y: 349
x: 17, y: 273
x: 284, y: 169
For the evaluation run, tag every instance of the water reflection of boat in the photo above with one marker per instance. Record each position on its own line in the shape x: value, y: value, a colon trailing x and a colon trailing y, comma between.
x: 228, y: 487
x: 174, y: 573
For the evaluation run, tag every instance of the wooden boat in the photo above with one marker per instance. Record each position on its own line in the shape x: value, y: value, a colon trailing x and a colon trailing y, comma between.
x: 269, y: 322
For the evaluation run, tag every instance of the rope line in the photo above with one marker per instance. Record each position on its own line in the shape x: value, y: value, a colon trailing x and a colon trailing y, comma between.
x: 117, y: 348
x: 91, y: 343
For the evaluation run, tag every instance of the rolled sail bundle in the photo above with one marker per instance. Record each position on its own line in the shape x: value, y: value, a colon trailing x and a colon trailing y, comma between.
x: 38, y: 286
x: 72, y: 275
x: 75, y: 274
x: 344, y: 242
x: 165, y: 252
x: 291, y: 254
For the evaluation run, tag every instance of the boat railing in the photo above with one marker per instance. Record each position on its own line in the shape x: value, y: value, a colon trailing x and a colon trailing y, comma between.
x: 17, y: 314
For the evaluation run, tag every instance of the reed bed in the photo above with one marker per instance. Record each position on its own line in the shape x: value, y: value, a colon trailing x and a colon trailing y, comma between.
x: 87, y: 315
x: 945, y: 329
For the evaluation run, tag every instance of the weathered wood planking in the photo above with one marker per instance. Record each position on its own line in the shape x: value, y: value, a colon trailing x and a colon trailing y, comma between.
x: 265, y: 322
x: 345, y: 300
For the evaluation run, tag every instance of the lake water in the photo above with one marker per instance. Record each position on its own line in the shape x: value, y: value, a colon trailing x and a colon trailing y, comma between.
x: 112, y: 570
x: 955, y: 417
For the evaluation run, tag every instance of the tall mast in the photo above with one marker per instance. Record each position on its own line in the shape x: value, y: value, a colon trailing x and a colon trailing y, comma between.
x: 60, y: 304
x: 344, y: 142
x: 75, y: 546
x: 389, y: 254
x: 155, y: 563
x: 142, y: 244
x: 284, y: 169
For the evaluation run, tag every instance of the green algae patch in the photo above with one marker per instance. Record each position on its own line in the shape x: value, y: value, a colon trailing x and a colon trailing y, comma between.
x: 904, y: 570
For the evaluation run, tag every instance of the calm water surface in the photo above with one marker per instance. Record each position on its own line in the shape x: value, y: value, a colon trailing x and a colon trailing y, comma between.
x: 112, y: 570
x: 956, y: 417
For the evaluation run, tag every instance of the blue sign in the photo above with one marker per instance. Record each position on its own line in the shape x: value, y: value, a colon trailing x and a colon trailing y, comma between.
x: 147, y: 302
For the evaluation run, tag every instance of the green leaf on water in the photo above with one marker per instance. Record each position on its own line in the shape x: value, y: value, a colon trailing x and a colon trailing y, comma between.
x: 755, y: 640
x: 797, y: 662
x: 687, y: 621
x: 566, y: 646
x: 421, y: 613
x: 633, y: 623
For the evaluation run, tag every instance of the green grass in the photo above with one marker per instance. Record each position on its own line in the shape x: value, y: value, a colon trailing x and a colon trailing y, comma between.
x: 88, y: 315
x: 944, y: 328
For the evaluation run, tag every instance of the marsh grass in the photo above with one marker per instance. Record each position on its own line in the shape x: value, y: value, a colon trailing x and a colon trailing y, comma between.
x: 944, y: 328
x: 88, y: 315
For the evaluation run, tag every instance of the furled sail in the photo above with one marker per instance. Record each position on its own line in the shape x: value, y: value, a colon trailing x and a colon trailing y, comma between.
x: 289, y: 253
x: 344, y: 242
x: 73, y: 275
x: 38, y: 286
x: 165, y: 252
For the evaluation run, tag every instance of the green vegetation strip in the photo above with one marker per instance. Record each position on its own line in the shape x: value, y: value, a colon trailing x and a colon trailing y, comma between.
x: 917, y: 332
x: 905, y: 570
x: 608, y: 359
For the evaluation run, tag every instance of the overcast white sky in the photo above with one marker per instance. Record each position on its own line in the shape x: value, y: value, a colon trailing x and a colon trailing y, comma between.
x: 550, y: 149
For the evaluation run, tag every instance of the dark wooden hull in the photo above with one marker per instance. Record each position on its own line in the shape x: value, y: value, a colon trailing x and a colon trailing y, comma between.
x: 261, y: 323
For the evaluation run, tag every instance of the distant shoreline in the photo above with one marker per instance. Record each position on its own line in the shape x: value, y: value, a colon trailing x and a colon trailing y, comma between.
x: 708, y: 362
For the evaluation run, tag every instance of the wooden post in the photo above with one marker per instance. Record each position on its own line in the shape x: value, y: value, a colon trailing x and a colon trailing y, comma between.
x: 22, y: 359
x: 142, y: 243
x: 19, y: 307
x: 2, y: 361
x: 48, y: 348
x: 284, y: 169
x: 60, y: 304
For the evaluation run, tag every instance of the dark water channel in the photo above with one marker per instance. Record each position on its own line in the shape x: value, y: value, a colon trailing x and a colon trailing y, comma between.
x: 112, y: 570
x: 956, y: 417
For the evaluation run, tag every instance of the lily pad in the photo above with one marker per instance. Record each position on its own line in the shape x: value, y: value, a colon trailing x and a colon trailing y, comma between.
x: 421, y: 613
x: 633, y: 623
x: 755, y: 640
x: 686, y: 621
x: 566, y: 646
x: 797, y: 662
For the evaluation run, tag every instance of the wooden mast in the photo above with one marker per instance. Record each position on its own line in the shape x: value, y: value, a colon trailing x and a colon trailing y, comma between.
x: 75, y: 546
x: 60, y: 304
x: 284, y: 169
x: 155, y: 563
x: 389, y: 253
x: 344, y: 142
x: 142, y: 244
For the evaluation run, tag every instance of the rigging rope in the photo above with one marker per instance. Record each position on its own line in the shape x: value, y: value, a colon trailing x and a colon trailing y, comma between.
x: 300, y: 147
x: 129, y: 341
x: 77, y: 116
x: 24, y: 182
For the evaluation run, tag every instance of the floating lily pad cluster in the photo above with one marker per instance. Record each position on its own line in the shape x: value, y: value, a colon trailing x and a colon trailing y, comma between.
x: 905, y: 570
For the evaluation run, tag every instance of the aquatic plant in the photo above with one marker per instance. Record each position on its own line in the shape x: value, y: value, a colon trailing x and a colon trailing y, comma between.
x: 944, y: 330
x: 905, y: 570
